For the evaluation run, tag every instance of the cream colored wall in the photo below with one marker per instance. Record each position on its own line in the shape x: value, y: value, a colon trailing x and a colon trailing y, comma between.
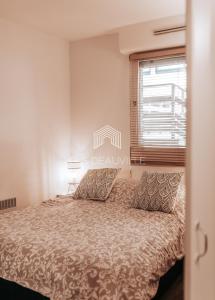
x: 100, y: 79
x: 100, y: 87
x: 140, y: 37
x: 35, y: 114
x: 36, y: 78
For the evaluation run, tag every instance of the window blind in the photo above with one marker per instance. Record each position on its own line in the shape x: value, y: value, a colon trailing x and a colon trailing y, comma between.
x: 158, y: 110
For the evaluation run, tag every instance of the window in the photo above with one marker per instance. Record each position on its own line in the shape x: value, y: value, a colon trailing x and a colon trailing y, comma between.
x: 158, y: 107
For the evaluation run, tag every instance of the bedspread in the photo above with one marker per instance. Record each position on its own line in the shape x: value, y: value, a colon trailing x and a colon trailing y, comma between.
x: 89, y: 250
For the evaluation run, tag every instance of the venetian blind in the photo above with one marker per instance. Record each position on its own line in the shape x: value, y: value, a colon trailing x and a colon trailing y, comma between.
x: 158, y: 110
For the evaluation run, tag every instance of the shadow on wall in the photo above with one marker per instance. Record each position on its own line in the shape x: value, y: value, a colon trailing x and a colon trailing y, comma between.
x: 20, y: 174
x: 29, y: 174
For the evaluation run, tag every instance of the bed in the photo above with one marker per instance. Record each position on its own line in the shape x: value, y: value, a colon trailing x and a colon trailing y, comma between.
x: 84, y: 249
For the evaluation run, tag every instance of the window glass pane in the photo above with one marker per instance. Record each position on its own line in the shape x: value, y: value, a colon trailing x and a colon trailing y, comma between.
x: 162, y: 103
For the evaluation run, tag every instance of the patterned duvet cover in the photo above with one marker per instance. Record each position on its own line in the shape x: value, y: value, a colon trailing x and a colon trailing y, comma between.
x: 84, y: 249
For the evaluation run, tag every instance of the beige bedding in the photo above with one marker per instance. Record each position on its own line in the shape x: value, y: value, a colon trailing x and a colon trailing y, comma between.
x: 79, y: 249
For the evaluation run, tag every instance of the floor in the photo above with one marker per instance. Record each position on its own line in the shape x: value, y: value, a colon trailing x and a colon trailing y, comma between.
x: 175, y: 291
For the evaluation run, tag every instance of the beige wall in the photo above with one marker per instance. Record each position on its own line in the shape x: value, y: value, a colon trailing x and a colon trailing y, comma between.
x: 100, y: 79
x: 100, y: 87
x: 35, y: 119
x: 140, y: 37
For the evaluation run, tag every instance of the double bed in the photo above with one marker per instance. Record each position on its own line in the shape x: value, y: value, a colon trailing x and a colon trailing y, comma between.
x: 68, y: 248
x: 84, y: 249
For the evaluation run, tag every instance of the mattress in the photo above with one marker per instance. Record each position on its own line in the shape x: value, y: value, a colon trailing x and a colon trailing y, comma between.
x: 88, y: 250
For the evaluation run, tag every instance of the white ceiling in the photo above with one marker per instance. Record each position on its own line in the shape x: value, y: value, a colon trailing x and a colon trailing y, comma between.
x: 77, y: 19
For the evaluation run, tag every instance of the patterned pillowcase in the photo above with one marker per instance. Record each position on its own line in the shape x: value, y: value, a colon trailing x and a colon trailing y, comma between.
x: 157, y: 191
x: 96, y: 184
x: 123, y: 191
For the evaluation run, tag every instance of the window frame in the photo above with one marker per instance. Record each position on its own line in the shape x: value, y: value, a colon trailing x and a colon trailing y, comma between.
x: 139, y: 154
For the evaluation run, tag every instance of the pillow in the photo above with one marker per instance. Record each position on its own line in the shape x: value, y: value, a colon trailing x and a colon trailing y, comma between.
x: 122, y: 191
x: 96, y: 184
x: 137, y: 171
x: 157, y: 191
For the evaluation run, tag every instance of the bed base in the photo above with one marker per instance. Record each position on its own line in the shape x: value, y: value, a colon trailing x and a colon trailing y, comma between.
x: 12, y: 291
x: 169, y: 279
